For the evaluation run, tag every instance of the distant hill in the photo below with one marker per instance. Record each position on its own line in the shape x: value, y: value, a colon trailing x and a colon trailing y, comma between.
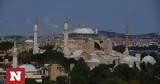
x: 149, y: 35
x: 110, y: 34
x: 114, y: 34
x: 14, y: 36
x: 101, y: 33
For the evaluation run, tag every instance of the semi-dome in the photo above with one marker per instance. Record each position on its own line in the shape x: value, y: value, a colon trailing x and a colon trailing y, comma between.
x: 28, y: 68
x: 83, y: 30
x: 129, y: 60
x: 149, y: 59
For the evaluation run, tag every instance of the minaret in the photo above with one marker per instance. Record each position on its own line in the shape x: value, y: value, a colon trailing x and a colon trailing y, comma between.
x: 35, y: 44
x: 14, y: 53
x: 97, y: 30
x: 66, y: 51
x: 126, y: 52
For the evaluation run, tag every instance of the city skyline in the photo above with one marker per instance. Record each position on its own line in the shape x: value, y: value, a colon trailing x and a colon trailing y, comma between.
x: 18, y: 17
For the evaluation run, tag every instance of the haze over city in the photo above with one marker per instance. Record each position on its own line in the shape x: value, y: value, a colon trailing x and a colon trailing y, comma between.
x: 18, y: 16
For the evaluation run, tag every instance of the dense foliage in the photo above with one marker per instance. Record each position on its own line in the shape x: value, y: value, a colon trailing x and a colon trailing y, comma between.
x: 6, y: 45
x: 47, y: 47
x: 48, y: 57
x: 122, y: 74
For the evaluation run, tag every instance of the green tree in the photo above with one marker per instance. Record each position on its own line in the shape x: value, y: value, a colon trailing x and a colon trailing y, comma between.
x: 148, y: 74
x: 133, y: 82
x: 6, y: 45
x: 62, y: 80
x: 113, y: 80
x: 156, y: 70
x: 99, y: 73
x: 10, y: 58
x: 134, y: 71
x: 25, y: 57
x: 80, y: 73
x: 122, y: 71
x: 49, y: 56
x: 30, y: 81
x: 47, y: 47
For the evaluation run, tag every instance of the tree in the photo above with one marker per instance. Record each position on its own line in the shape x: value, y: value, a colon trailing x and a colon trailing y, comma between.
x: 122, y: 71
x: 30, y: 81
x: 6, y: 45
x: 114, y: 80
x: 25, y: 57
x: 133, y: 82
x: 80, y: 73
x: 148, y: 74
x: 50, y: 57
x: 134, y: 72
x: 99, y: 73
x: 78, y: 79
x: 10, y: 58
x: 156, y: 70
x: 47, y: 47
x: 62, y: 80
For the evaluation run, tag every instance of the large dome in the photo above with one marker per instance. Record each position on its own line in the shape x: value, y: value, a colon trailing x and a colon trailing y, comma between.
x: 28, y: 41
x: 83, y: 30
x: 149, y: 59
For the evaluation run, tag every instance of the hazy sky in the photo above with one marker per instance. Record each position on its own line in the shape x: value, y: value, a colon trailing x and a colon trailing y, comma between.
x: 18, y: 16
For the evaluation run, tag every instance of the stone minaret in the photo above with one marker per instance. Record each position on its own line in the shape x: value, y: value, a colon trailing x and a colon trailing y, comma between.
x: 126, y: 52
x: 35, y: 44
x: 97, y: 30
x: 14, y: 53
x: 66, y: 51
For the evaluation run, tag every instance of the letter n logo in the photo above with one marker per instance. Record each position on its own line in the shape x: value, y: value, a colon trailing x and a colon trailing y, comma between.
x: 15, y: 76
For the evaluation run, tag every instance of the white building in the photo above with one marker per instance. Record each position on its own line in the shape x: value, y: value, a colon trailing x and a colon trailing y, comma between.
x: 31, y: 72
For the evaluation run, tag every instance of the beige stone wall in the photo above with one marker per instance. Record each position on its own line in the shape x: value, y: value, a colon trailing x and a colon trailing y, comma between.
x: 138, y: 57
x: 86, y: 46
x: 54, y: 71
x: 107, y: 46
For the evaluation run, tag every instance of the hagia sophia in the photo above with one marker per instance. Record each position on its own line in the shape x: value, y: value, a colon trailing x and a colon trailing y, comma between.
x: 84, y: 42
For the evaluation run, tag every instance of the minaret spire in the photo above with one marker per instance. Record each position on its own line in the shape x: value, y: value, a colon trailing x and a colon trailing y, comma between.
x: 97, y: 29
x: 66, y: 51
x: 35, y: 44
x: 126, y: 36
x: 14, y: 52
x: 126, y: 52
